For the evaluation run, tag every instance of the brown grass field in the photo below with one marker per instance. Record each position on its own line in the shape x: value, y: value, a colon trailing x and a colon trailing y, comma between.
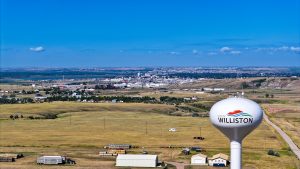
x: 84, y: 128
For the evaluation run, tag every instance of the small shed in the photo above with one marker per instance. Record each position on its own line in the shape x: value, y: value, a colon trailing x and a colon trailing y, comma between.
x: 199, y: 159
x: 10, y: 157
x: 218, y: 160
x: 136, y: 160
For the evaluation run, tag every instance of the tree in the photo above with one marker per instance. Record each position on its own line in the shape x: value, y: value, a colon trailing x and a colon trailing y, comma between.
x: 244, y: 85
x: 273, y: 153
x: 267, y: 95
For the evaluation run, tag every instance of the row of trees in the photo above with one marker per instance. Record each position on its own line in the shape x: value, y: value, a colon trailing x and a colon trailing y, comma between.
x: 145, y: 99
x: 15, y: 116
x: 126, y: 99
x: 6, y: 100
x: 171, y: 100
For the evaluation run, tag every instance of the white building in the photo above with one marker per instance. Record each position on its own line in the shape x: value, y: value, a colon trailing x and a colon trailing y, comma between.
x: 120, y: 85
x: 51, y: 160
x: 199, y: 159
x: 136, y: 160
x: 213, y: 89
x: 220, y: 160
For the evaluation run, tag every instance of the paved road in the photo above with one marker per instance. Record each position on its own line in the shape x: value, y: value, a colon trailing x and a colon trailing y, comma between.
x: 287, y: 139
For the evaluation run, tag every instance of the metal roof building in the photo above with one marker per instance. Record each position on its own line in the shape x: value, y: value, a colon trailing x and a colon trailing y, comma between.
x: 51, y: 160
x: 136, y: 160
x: 199, y: 159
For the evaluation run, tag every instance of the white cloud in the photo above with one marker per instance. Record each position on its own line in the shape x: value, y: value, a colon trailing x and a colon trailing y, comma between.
x: 195, y: 52
x: 211, y: 53
x: 283, y: 48
x: 174, y: 53
x: 235, y: 52
x: 37, y: 49
x: 225, y: 49
x: 295, y: 49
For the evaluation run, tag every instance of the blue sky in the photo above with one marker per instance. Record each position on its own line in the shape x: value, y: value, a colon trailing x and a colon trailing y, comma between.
x: 93, y: 33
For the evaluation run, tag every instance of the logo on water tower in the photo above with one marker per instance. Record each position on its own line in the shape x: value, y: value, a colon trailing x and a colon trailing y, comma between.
x: 238, y: 113
x: 236, y: 116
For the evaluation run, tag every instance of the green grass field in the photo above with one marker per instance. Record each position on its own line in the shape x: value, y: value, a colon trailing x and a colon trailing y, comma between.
x: 81, y: 129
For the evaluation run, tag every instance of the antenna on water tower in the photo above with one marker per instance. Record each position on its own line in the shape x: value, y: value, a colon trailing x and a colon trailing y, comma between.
x: 236, y: 117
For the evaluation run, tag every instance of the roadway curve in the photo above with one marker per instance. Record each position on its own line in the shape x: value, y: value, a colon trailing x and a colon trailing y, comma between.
x: 286, y: 138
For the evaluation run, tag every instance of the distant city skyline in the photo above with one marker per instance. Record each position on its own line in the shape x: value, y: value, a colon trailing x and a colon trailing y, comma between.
x: 153, y: 33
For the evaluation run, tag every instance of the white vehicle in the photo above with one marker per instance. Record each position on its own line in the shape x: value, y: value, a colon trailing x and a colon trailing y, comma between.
x: 172, y: 129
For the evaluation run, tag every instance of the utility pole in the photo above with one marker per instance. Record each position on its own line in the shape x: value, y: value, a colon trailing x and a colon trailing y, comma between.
x: 146, y: 127
x: 104, y: 123
x: 200, y: 131
x: 70, y: 120
x: 0, y: 130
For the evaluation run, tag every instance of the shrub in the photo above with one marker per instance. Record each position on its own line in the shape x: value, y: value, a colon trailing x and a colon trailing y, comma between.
x: 49, y: 115
x: 273, y: 153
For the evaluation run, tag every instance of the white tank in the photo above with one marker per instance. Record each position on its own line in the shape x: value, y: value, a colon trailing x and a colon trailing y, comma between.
x: 236, y: 117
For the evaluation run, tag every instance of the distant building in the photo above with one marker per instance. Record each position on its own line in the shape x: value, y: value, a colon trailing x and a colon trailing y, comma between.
x: 219, y: 89
x: 136, y: 160
x: 40, y: 97
x: 218, y: 160
x: 213, y: 89
x: 89, y: 90
x: 118, y: 146
x: 120, y: 85
x: 199, y: 159
x: 78, y: 96
x: 111, y: 152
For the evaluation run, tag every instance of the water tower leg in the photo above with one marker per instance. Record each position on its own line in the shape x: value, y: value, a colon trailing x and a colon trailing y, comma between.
x: 236, y: 155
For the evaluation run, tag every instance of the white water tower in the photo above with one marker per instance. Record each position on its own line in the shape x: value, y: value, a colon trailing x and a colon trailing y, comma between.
x: 236, y: 117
